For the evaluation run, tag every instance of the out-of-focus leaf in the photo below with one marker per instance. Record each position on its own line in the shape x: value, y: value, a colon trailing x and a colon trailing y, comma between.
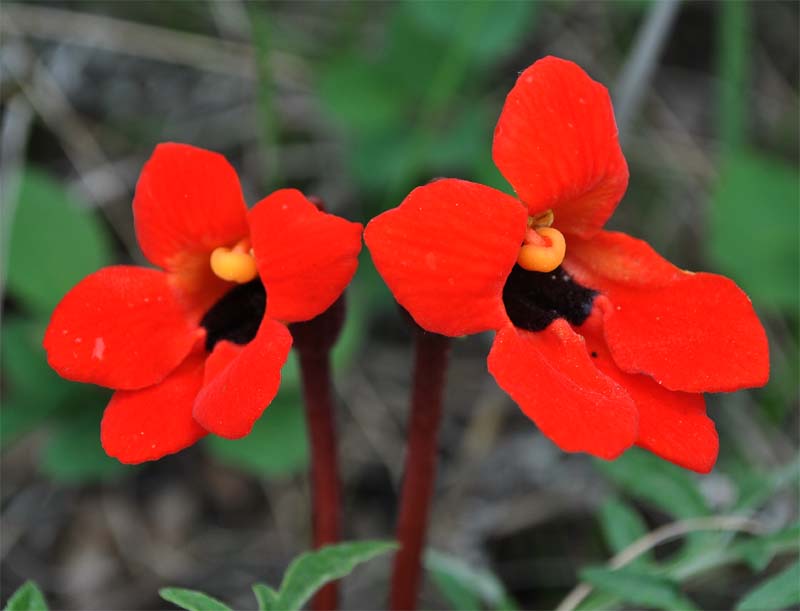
x: 74, y: 453
x: 638, y: 587
x: 192, y: 600
x: 266, y: 597
x: 778, y: 592
x: 54, y: 243
x: 666, y: 486
x: 761, y: 486
x: 466, y: 588
x: 27, y: 598
x: 758, y: 552
x: 622, y: 525
x: 33, y: 390
x: 753, y: 227
x: 310, y: 571
x: 277, y: 445
x: 501, y: 30
x: 360, y: 96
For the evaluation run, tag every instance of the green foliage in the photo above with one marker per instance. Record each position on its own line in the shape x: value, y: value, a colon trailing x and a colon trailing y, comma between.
x: 501, y: 31
x: 704, y: 551
x: 312, y: 570
x: 667, y: 487
x: 428, y: 75
x: 758, y: 552
x: 267, y: 597
x: 277, y: 445
x: 55, y: 242
x: 192, y: 600
x: 778, y: 592
x: 33, y: 390
x: 27, y: 598
x: 305, y: 576
x: 621, y: 525
x: 74, y: 454
x: 464, y: 587
x: 637, y: 586
x: 753, y: 227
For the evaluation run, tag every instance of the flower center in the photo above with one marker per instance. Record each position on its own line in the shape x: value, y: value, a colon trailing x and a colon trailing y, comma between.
x: 235, y: 264
x: 543, y: 247
x: 237, y: 315
x: 535, y: 299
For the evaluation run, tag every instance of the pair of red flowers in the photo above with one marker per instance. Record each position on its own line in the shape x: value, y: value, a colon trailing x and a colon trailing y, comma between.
x: 603, y: 343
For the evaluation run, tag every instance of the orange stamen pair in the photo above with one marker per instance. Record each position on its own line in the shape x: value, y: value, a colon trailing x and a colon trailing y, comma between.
x: 235, y: 264
x: 543, y: 247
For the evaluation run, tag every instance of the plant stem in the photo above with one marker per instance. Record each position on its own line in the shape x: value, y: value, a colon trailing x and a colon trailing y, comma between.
x: 316, y: 374
x: 432, y: 353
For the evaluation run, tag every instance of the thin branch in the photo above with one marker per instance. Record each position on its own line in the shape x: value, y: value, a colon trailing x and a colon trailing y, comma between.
x: 642, y: 60
x: 657, y: 537
x: 83, y: 150
x: 196, y: 51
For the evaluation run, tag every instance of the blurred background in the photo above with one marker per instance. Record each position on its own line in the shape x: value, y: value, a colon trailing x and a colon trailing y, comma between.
x: 358, y: 102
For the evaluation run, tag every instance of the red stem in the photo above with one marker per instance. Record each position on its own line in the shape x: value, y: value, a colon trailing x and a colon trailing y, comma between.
x: 432, y: 352
x: 315, y: 368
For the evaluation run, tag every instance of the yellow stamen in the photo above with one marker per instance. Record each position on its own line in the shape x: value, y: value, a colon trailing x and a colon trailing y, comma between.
x: 545, y: 219
x: 235, y: 264
x: 543, y: 250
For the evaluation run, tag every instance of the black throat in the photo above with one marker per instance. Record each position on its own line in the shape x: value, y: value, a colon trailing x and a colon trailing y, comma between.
x: 237, y: 315
x: 535, y: 299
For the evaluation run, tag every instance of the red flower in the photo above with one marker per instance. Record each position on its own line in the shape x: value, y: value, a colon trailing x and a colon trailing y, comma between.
x: 198, y: 345
x: 603, y: 348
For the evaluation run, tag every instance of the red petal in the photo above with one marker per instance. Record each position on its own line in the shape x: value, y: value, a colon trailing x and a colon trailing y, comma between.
x: 446, y: 252
x: 141, y: 425
x: 552, y: 378
x: 188, y: 202
x: 240, y: 383
x: 121, y: 327
x: 556, y: 143
x: 672, y: 424
x: 305, y: 257
x: 691, y: 332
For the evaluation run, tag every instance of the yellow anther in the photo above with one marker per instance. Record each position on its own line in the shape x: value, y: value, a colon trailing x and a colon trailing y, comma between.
x: 543, y: 250
x: 545, y: 219
x: 234, y: 264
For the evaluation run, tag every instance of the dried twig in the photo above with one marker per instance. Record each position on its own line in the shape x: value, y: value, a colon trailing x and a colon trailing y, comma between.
x: 84, y: 152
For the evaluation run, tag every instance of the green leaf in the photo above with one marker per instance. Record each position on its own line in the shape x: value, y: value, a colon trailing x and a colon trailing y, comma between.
x: 464, y: 587
x: 74, y: 454
x: 192, y: 600
x: 312, y: 570
x: 359, y: 96
x: 758, y: 552
x: 33, y: 390
x: 778, y: 592
x: 266, y: 597
x: 501, y: 30
x: 755, y: 206
x: 759, y: 487
x: 27, y: 598
x: 666, y: 486
x: 638, y: 587
x: 55, y: 242
x: 622, y: 525
x: 277, y: 445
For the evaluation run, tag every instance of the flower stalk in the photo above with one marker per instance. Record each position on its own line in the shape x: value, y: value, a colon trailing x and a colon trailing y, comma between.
x: 313, y: 341
x: 432, y: 352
